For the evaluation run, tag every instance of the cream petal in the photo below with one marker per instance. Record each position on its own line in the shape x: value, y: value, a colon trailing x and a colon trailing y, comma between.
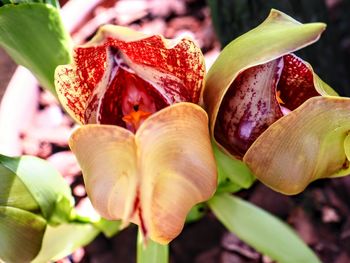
x: 178, y: 168
x: 107, y: 157
x: 153, y: 178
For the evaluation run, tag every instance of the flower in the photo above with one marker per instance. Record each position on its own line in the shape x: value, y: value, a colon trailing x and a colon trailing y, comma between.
x: 143, y: 161
x: 257, y: 94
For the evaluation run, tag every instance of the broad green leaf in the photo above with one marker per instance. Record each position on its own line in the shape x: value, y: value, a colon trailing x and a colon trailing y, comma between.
x: 307, y: 144
x: 14, y: 193
x: 60, y: 241
x: 261, y: 230
x: 151, y: 252
x: 232, y: 170
x: 21, y: 230
x: 34, y: 36
x: 46, y: 186
x: 51, y: 2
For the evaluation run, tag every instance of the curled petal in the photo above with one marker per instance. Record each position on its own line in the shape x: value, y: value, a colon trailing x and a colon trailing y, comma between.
x: 107, y: 157
x: 171, y: 69
x: 159, y: 173
x: 249, y: 106
x: 310, y: 143
x: 261, y: 95
x: 298, y: 83
x: 276, y: 37
x: 178, y: 167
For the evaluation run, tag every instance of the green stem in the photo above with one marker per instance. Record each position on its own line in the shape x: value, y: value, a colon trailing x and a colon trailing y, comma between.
x: 151, y: 252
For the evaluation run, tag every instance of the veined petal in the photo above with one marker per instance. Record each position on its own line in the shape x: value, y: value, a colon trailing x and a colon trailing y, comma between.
x: 173, y: 69
x: 299, y: 82
x: 154, y: 177
x: 261, y: 95
x: 306, y: 145
x: 107, y: 157
x: 75, y: 83
x: 276, y: 37
x: 178, y: 168
x: 180, y: 58
x: 249, y: 107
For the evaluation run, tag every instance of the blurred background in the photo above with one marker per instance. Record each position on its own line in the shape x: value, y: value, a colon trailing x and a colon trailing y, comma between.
x: 320, y: 215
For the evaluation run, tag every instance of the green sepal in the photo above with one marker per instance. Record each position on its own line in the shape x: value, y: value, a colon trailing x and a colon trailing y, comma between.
x: 233, y: 174
x: 261, y: 230
x: 21, y: 234
x: 34, y: 36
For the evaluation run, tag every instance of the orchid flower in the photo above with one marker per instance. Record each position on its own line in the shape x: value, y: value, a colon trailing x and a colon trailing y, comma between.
x: 268, y: 108
x: 144, y: 145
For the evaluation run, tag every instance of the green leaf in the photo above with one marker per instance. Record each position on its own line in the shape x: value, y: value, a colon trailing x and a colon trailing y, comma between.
x: 261, y: 230
x: 21, y: 230
x: 46, y: 186
x: 228, y: 187
x: 231, y: 170
x: 107, y: 227
x: 14, y: 193
x: 60, y: 241
x: 151, y: 252
x: 51, y: 2
x: 34, y: 36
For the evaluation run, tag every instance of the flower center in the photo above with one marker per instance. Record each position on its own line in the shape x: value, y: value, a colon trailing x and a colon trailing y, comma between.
x: 137, y: 104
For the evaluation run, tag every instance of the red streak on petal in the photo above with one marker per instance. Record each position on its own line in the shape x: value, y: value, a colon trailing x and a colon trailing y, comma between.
x: 183, y: 62
x: 249, y: 107
x: 296, y: 83
x: 77, y: 84
x: 69, y: 87
x: 246, y: 111
x: 138, y: 211
x: 180, y: 61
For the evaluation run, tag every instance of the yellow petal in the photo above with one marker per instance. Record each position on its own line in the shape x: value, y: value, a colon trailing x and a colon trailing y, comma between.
x: 303, y: 146
x: 178, y: 168
x: 153, y: 178
x: 107, y: 157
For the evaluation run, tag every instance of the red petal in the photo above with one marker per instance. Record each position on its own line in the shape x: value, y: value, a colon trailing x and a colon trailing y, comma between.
x: 176, y: 74
x: 249, y: 107
x: 184, y: 61
x: 75, y: 84
x: 296, y: 83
